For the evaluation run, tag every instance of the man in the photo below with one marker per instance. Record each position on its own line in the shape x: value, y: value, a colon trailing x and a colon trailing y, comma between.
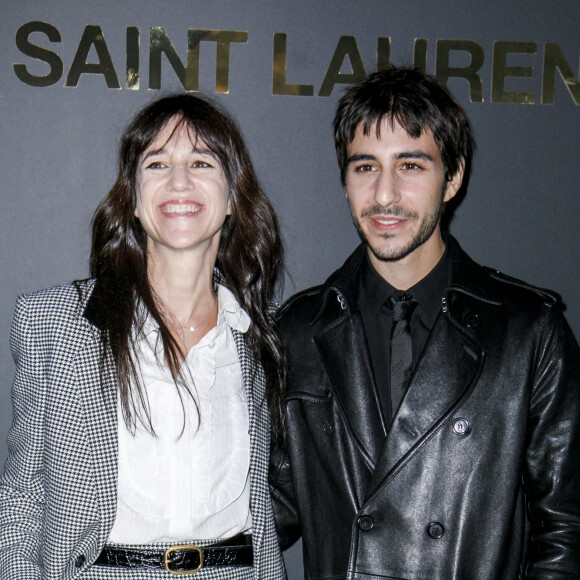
x: 432, y: 405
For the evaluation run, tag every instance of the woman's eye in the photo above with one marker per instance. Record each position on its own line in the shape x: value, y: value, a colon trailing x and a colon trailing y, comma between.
x: 155, y: 165
x: 201, y: 164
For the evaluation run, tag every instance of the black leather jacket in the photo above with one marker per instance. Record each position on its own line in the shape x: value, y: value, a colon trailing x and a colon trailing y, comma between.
x: 479, y: 475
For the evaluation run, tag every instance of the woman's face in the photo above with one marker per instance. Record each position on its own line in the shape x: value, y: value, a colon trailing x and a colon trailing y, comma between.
x: 182, y: 193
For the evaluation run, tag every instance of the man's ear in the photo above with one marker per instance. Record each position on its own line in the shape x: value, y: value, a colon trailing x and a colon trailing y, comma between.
x: 454, y: 184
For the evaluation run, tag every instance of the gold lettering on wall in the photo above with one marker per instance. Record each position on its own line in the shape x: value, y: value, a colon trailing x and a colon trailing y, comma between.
x: 38, y: 53
x: 501, y: 71
x: 346, y: 48
x: 189, y: 74
x: 444, y: 71
x: 554, y: 59
x: 383, y: 52
x: 45, y: 67
x: 279, y: 84
x: 420, y: 54
x: 223, y: 39
x: 92, y: 37
x: 132, y: 60
x: 159, y: 44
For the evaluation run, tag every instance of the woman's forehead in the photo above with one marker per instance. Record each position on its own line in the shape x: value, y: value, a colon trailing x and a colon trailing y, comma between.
x: 174, y: 129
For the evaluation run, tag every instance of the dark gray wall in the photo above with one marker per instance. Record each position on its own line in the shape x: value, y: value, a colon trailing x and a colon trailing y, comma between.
x: 59, y: 142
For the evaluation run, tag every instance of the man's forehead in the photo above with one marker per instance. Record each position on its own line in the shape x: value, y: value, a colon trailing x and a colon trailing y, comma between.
x: 391, y: 138
x: 386, y: 127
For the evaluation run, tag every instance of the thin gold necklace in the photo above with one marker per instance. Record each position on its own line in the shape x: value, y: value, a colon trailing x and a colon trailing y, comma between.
x: 192, y: 328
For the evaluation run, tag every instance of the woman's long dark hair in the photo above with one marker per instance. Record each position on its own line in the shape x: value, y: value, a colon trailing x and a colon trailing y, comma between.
x: 249, y: 255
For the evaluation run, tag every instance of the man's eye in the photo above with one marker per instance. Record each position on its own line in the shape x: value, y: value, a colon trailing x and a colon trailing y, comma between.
x: 410, y: 166
x: 364, y: 168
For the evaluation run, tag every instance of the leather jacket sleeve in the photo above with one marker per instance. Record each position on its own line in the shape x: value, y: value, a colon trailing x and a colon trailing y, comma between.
x: 283, y: 502
x: 552, y: 464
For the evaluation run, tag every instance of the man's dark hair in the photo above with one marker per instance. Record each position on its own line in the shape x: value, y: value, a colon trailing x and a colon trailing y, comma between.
x: 417, y: 102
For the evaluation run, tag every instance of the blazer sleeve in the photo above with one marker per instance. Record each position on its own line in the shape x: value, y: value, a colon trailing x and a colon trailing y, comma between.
x: 552, y: 462
x: 21, y: 485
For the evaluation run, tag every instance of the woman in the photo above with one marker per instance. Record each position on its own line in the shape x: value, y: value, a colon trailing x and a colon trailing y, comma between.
x: 143, y: 396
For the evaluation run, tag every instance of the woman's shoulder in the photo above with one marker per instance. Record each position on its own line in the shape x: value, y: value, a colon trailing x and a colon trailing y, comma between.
x: 67, y: 297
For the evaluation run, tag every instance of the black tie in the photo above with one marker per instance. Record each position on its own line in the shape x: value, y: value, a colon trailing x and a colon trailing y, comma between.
x: 401, y: 347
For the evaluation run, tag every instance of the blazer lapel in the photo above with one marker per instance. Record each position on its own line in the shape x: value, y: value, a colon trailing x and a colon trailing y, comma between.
x: 445, y: 375
x: 97, y: 389
x: 254, y: 383
x: 342, y: 346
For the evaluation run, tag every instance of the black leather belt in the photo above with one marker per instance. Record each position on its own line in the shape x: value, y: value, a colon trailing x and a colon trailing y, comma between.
x: 182, y: 559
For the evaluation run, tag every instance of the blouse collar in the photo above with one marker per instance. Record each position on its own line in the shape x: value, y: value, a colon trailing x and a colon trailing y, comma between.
x: 229, y: 311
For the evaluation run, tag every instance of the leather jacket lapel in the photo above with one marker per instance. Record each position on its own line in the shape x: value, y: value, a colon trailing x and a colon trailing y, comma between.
x: 445, y: 375
x: 342, y: 346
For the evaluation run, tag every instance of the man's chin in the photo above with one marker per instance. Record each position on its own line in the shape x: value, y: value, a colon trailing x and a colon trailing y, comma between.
x: 390, y: 252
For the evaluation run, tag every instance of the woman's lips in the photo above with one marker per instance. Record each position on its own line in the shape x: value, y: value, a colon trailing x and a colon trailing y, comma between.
x: 180, y: 208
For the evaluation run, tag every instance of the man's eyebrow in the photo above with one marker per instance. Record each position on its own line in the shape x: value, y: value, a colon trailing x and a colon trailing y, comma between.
x: 414, y: 155
x: 356, y: 157
x: 360, y: 157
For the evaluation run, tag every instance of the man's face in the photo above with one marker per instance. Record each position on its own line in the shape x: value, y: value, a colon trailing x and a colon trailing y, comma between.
x: 396, y: 188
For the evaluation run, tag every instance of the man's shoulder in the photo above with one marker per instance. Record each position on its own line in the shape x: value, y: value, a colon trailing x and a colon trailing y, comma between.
x: 301, y: 307
x: 524, y: 293
x: 304, y: 306
x: 495, y: 287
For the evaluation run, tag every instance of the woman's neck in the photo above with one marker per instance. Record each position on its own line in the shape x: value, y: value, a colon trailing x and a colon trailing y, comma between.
x: 183, y: 288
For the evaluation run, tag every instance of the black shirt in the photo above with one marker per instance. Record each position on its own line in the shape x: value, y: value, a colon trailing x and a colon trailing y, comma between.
x: 378, y: 319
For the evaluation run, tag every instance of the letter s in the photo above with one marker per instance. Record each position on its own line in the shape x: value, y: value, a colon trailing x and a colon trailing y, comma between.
x: 32, y: 50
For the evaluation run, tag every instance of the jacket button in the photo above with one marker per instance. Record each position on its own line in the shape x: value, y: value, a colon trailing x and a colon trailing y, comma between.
x: 461, y: 426
x: 435, y: 530
x: 80, y: 561
x: 472, y: 320
x: 366, y: 523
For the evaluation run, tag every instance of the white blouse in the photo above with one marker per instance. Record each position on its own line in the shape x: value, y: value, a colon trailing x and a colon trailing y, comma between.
x: 191, y: 480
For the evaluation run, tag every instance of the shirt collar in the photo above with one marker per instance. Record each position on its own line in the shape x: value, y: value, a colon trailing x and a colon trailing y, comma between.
x: 427, y: 292
x: 375, y: 287
x: 230, y: 310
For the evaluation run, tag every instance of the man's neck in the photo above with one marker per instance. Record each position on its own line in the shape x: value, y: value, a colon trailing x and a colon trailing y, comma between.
x: 405, y: 273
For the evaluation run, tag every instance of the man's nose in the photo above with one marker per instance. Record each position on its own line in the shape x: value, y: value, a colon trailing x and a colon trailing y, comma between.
x: 386, y: 189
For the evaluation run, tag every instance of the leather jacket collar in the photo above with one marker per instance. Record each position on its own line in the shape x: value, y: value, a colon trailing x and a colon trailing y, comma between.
x: 465, y: 276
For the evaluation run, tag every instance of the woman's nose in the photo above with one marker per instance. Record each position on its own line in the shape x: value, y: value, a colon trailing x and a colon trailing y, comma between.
x: 180, y: 178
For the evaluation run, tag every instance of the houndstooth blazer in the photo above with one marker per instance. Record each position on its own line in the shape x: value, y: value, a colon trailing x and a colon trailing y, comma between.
x: 58, y: 491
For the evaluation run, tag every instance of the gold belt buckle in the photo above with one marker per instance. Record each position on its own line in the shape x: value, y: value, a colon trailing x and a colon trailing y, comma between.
x: 183, y: 547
